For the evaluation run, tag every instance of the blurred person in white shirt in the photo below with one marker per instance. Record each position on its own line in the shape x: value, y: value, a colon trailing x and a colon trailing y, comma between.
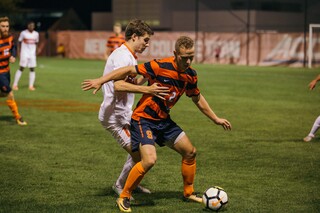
x: 28, y: 41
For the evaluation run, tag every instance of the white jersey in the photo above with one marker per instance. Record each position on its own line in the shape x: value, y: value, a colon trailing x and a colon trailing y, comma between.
x: 116, y: 107
x: 29, y: 42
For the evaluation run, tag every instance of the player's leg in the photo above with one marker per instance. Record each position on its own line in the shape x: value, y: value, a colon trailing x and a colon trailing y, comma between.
x: 17, y: 76
x: 6, y: 91
x: 147, y: 150
x: 185, y: 148
x: 32, y: 78
x: 32, y: 73
x: 148, y: 159
x: 12, y: 104
x: 314, y: 129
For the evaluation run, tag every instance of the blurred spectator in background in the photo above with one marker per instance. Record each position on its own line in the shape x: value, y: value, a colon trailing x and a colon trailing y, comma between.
x: 217, y: 52
x: 7, y: 56
x: 61, y: 51
x: 28, y: 40
x: 115, y: 40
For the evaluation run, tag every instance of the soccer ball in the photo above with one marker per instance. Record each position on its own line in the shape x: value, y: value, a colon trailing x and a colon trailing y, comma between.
x: 215, y: 198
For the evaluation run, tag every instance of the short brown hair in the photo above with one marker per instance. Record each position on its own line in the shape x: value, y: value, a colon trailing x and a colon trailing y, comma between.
x: 138, y: 27
x: 183, y: 42
x: 3, y: 19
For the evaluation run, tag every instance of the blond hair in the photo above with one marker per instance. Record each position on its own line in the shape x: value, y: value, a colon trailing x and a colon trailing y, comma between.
x: 183, y: 42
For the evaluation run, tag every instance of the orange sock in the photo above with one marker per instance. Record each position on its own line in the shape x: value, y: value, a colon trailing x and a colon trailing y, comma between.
x: 135, y: 176
x: 188, y: 170
x: 14, y: 108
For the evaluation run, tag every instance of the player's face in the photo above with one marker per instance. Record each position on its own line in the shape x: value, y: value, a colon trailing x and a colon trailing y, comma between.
x: 117, y: 30
x: 4, y: 29
x: 31, y: 27
x: 142, y: 42
x: 184, y: 58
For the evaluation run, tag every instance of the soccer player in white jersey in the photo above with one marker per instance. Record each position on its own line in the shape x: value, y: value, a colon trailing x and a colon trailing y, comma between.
x: 316, y: 124
x: 116, y: 108
x: 29, y: 40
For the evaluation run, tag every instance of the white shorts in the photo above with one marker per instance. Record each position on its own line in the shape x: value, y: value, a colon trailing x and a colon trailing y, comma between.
x: 119, y: 132
x: 29, y: 62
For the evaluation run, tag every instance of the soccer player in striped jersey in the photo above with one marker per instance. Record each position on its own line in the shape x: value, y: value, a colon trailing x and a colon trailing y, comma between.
x: 116, y: 108
x: 7, y: 55
x: 29, y: 40
x: 115, y: 40
x: 151, y: 122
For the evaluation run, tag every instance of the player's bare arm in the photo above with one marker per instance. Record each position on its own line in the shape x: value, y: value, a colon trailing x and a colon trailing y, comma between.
x: 204, y: 107
x: 118, y: 74
x: 313, y: 83
x: 155, y: 89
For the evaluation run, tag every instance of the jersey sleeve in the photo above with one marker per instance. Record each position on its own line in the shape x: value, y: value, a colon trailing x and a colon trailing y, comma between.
x: 20, y: 39
x: 13, y: 49
x: 37, y: 39
x: 148, y: 69
x: 192, y: 86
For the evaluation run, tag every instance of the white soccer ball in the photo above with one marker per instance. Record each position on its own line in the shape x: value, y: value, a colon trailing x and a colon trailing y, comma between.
x: 215, y: 198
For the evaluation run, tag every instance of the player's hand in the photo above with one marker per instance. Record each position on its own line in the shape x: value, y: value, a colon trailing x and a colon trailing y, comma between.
x: 89, y: 84
x: 12, y: 59
x: 159, y: 91
x: 312, y: 84
x: 224, y: 123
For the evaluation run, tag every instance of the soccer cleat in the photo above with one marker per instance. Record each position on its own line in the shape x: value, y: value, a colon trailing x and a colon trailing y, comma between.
x: 141, y: 189
x: 193, y: 198
x: 15, y: 88
x: 124, y: 204
x: 32, y: 88
x: 307, y: 139
x: 21, y: 122
x: 118, y: 190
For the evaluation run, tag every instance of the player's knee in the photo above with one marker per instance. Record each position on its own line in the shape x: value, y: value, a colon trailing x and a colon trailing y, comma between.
x: 148, y: 163
x: 10, y: 96
x: 191, y: 154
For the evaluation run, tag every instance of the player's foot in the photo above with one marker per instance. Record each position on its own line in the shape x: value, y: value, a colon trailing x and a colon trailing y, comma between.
x: 21, y: 122
x: 308, y: 138
x: 32, y: 88
x: 141, y: 189
x: 117, y: 189
x: 15, y: 88
x: 193, y: 198
x: 124, y: 204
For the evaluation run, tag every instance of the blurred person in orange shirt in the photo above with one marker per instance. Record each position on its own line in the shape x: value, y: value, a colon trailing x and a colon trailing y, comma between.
x: 114, y: 40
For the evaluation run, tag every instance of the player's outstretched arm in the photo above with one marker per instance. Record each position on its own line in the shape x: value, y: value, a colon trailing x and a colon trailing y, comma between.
x: 155, y: 89
x: 313, y: 83
x: 204, y: 107
x: 118, y: 74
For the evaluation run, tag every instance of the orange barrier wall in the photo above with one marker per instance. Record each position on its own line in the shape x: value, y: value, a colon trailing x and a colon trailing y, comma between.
x: 265, y: 49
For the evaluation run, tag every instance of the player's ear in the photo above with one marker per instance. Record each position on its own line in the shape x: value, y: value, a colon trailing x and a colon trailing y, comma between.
x: 134, y: 37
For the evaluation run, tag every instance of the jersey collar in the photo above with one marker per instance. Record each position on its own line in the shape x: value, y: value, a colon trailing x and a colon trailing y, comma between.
x: 134, y: 55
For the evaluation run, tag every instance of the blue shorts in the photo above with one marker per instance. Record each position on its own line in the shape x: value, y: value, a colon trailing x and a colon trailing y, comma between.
x: 5, y: 82
x: 148, y: 131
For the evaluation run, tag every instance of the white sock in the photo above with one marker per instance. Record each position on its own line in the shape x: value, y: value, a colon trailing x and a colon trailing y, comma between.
x: 32, y: 78
x: 125, y: 171
x: 315, y: 127
x: 17, y: 77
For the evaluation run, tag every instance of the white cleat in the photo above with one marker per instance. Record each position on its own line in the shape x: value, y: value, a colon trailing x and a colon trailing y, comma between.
x: 307, y: 139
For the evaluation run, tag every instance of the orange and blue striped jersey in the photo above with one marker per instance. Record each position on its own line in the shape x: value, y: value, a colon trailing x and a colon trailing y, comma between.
x: 7, y: 49
x: 114, y: 42
x: 166, y: 73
